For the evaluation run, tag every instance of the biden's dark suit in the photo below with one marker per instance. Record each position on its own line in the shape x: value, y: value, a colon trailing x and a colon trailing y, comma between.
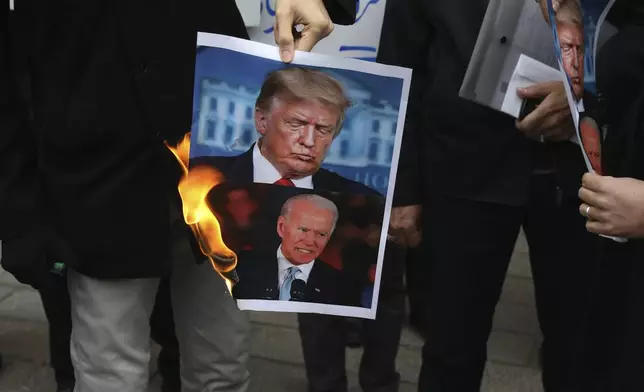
x: 259, y: 280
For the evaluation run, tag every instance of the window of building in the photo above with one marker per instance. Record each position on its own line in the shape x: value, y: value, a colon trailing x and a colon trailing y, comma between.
x: 231, y: 107
x: 393, y: 128
x: 228, y: 134
x: 213, y: 104
x: 249, y: 113
x: 344, y: 148
x: 247, y: 136
x: 211, y: 129
x: 375, y: 126
x: 374, y: 148
x: 390, y: 153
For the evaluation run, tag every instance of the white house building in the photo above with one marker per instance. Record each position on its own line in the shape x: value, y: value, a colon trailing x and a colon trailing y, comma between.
x: 589, y: 63
x: 367, y: 138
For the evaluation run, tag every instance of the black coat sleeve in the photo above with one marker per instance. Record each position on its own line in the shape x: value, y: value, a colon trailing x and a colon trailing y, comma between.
x: 342, y: 12
x: 24, y: 234
x: 19, y: 207
x: 405, y: 40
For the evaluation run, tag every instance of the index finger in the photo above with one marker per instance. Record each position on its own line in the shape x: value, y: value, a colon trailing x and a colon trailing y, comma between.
x: 284, y: 34
x: 592, y: 182
x: 538, y: 90
x: 536, y: 118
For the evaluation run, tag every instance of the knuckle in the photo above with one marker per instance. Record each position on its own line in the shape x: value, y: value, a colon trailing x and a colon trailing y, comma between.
x: 281, y: 14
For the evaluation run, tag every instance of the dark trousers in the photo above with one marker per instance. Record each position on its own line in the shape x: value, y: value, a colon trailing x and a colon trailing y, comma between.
x: 468, y: 246
x: 163, y: 333
x: 324, y: 339
x: 55, y: 299
x: 614, y: 342
x: 414, y: 282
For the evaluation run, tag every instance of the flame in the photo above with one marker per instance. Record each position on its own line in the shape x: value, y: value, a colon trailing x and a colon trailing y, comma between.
x: 194, y: 186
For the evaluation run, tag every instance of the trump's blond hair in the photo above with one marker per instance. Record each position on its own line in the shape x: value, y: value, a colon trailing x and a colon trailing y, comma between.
x: 293, y: 84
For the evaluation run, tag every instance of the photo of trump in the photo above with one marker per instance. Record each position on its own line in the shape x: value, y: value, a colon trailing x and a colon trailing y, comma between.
x: 570, y: 30
x: 293, y: 271
x: 298, y: 114
x: 569, y: 26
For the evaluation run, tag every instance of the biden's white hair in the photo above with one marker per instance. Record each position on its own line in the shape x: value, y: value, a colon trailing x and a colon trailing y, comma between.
x: 317, y: 200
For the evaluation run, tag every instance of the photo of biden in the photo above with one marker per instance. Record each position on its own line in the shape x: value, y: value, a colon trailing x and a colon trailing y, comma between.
x: 298, y: 114
x: 293, y: 271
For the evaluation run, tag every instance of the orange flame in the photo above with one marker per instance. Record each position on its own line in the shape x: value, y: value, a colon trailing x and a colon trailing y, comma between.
x: 194, y: 186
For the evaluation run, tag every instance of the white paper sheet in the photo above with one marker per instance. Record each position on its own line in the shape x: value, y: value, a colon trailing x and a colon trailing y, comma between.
x: 230, y: 73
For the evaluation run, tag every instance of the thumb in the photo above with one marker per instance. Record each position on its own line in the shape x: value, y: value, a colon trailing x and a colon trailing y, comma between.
x: 284, y: 35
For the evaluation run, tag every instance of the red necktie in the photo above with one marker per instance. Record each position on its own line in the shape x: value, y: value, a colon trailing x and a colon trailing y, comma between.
x: 284, y: 182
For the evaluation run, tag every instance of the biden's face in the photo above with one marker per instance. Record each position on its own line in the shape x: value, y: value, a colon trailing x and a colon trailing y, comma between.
x: 305, y: 232
x: 296, y: 136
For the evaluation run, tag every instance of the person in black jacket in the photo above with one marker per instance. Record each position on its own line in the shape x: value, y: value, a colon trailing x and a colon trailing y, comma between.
x: 614, y: 205
x: 87, y: 180
x: 468, y: 179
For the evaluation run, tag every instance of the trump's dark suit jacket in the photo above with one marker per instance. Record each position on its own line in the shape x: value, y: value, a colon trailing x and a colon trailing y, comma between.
x: 258, y: 271
x: 240, y: 169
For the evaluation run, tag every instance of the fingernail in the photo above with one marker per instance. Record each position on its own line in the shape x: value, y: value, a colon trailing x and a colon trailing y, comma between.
x: 286, y: 56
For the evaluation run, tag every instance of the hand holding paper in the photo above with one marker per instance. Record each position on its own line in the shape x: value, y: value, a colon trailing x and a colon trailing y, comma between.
x: 551, y: 119
x: 405, y: 225
x: 311, y: 14
x: 613, y: 206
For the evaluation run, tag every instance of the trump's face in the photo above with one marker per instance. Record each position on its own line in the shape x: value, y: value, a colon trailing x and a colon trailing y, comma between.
x: 571, y: 41
x: 304, y: 232
x: 296, y: 136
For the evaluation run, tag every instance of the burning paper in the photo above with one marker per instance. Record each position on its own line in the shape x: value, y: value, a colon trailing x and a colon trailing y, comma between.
x: 194, y: 186
x: 309, y: 152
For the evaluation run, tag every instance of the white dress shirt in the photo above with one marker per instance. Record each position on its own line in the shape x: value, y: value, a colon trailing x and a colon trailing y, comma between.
x: 283, y: 265
x: 266, y: 173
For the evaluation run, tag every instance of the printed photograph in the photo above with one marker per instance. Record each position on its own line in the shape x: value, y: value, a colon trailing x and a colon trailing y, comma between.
x: 303, y: 120
x: 323, y: 125
x: 301, y: 246
x: 578, y: 31
x: 575, y: 28
x: 570, y: 45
